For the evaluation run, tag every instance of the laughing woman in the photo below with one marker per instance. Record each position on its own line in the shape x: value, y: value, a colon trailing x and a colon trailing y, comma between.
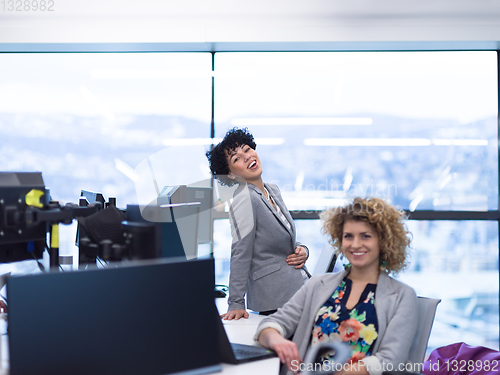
x: 267, y: 264
x: 362, y: 306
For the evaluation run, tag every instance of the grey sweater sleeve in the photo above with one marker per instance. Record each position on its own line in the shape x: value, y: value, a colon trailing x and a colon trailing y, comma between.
x: 394, y: 346
x: 243, y: 234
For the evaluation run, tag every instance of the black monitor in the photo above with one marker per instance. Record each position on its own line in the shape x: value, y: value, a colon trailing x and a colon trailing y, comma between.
x: 154, y: 232
x: 204, y: 195
x: 87, y: 197
x: 138, y: 233
x: 197, y: 216
x: 135, y: 319
x: 18, y: 240
x: 91, y: 197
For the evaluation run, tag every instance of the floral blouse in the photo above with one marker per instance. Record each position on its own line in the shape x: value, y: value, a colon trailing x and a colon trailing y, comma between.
x: 358, y: 326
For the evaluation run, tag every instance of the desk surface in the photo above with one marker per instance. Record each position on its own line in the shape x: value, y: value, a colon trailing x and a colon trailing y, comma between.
x: 242, y: 331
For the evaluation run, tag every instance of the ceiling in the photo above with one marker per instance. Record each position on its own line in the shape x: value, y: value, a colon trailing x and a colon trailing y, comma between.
x: 233, y: 24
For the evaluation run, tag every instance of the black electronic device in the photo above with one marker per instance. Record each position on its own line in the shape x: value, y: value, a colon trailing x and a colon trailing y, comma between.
x: 166, y: 242
x: 27, y: 214
x: 237, y: 353
x: 87, y: 197
x: 20, y: 240
x: 204, y: 195
x: 91, y: 197
x: 138, y: 233
x: 139, y: 318
x: 89, y: 250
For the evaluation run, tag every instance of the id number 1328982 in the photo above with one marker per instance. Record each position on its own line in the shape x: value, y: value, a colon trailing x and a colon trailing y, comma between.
x: 27, y: 5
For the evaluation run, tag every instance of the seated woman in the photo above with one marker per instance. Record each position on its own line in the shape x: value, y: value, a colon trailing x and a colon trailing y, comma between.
x: 364, y: 307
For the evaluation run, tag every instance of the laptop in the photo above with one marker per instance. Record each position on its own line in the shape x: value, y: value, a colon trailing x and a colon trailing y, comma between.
x: 140, y: 318
x: 238, y: 353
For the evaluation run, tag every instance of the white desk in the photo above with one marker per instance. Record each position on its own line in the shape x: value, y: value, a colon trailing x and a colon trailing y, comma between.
x: 242, y: 331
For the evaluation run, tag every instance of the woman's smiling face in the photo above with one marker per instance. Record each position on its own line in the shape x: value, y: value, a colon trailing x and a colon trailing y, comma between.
x: 361, y: 245
x: 244, y: 163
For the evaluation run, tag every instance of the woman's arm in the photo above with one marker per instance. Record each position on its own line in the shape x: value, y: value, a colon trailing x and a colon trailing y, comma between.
x: 243, y: 235
x: 285, y: 349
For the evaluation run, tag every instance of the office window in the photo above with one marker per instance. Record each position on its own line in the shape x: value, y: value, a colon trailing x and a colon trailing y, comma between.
x: 87, y: 120
x: 457, y: 261
x: 419, y: 128
x: 107, y: 122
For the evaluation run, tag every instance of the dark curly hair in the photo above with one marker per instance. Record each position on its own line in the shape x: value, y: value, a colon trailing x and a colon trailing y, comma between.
x: 388, y: 222
x: 217, y: 156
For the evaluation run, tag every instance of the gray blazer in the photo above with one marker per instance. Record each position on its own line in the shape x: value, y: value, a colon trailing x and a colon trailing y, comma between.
x: 261, y: 243
x: 397, y: 315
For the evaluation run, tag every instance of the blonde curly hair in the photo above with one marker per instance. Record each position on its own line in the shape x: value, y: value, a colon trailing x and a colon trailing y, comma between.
x: 388, y: 222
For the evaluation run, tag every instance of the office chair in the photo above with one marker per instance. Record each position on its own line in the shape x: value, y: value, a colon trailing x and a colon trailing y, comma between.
x: 426, y: 312
x: 326, y: 260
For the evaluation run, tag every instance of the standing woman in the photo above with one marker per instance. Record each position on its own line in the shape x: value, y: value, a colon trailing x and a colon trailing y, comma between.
x: 267, y: 264
x: 362, y: 306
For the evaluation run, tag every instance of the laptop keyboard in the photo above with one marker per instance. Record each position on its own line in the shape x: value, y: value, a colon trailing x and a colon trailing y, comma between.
x: 247, y: 351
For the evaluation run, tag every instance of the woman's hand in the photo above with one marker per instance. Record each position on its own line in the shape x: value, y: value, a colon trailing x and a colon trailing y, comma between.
x: 285, y: 349
x: 235, y: 314
x: 298, y: 259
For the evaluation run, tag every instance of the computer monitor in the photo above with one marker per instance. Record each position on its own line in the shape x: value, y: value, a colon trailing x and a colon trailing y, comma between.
x: 199, y: 215
x: 92, y: 197
x: 87, y: 197
x: 19, y: 240
x: 137, y: 232
x: 156, y: 232
x: 204, y: 195
x: 139, y: 318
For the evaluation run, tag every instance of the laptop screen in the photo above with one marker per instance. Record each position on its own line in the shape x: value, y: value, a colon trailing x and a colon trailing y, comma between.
x: 137, y: 319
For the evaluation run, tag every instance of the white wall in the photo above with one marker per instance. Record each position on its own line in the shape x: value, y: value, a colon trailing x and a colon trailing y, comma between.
x: 218, y: 24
